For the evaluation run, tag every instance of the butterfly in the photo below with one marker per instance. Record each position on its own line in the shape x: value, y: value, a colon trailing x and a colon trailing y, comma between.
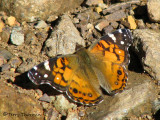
x: 82, y: 75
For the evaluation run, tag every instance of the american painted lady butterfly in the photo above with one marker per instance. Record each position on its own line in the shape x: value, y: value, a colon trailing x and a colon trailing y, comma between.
x: 81, y: 75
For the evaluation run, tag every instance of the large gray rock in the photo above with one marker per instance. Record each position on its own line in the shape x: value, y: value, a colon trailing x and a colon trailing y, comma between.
x: 147, y: 45
x: 32, y: 10
x: 63, y: 40
x: 154, y: 10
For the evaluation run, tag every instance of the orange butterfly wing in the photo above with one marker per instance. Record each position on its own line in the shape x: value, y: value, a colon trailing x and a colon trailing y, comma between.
x: 68, y: 74
x: 111, y: 52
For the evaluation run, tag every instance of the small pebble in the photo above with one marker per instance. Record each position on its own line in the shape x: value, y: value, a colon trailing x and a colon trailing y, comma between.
x: 93, y: 2
x: 129, y: 22
x: 15, y: 62
x: 52, y: 114
x: 116, y: 16
x: 90, y: 26
x: 13, y: 69
x: 39, y: 92
x: 98, y: 10
x: 45, y: 98
x: 102, y: 25
x: 5, y: 54
x: 11, y: 21
x: 45, y: 105
x: 41, y: 24
x: 75, y: 20
x: 17, y: 36
x: 154, y: 26
x: 102, y: 5
x: 2, y: 60
x: 72, y: 115
x: 132, y: 22
x: 148, y: 25
x: 148, y: 117
x: 5, y: 67
x: 5, y: 35
x: 140, y: 24
x: 62, y: 104
x: 2, y: 25
x: 81, y: 113
x: 108, y: 29
x: 114, y: 24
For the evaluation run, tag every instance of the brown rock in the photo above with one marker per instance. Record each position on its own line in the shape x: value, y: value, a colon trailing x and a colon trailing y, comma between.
x: 116, y: 16
x: 147, y: 46
x: 18, y: 106
x: 30, y: 38
x: 140, y: 24
x: 2, y: 25
x: 88, y: 15
x: 102, y: 25
x: 153, y: 7
x: 72, y: 115
x: 98, y: 10
x: 2, y: 61
x: 155, y: 26
x: 114, y: 24
x: 52, y: 114
x: 5, y: 34
x: 32, y: 10
x: 15, y: 62
x: 62, y: 105
x: 148, y: 25
x: 93, y: 2
x: 108, y: 29
x: 45, y: 98
x: 129, y: 22
x: 132, y: 23
x: 5, y: 54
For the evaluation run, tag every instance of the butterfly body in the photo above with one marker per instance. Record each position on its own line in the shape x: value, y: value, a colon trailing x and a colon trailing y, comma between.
x: 81, y: 75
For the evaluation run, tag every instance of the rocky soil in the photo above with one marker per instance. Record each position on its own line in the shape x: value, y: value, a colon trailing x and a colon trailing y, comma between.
x: 34, y: 31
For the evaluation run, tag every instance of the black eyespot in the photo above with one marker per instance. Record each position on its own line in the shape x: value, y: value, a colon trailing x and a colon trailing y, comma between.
x: 75, y: 90
x: 119, y: 72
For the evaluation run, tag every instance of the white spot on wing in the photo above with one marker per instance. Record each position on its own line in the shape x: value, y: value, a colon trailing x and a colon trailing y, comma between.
x: 122, y: 42
x: 112, y: 36
x: 120, y: 30
x: 35, y: 67
x: 45, y: 75
x: 46, y: 65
